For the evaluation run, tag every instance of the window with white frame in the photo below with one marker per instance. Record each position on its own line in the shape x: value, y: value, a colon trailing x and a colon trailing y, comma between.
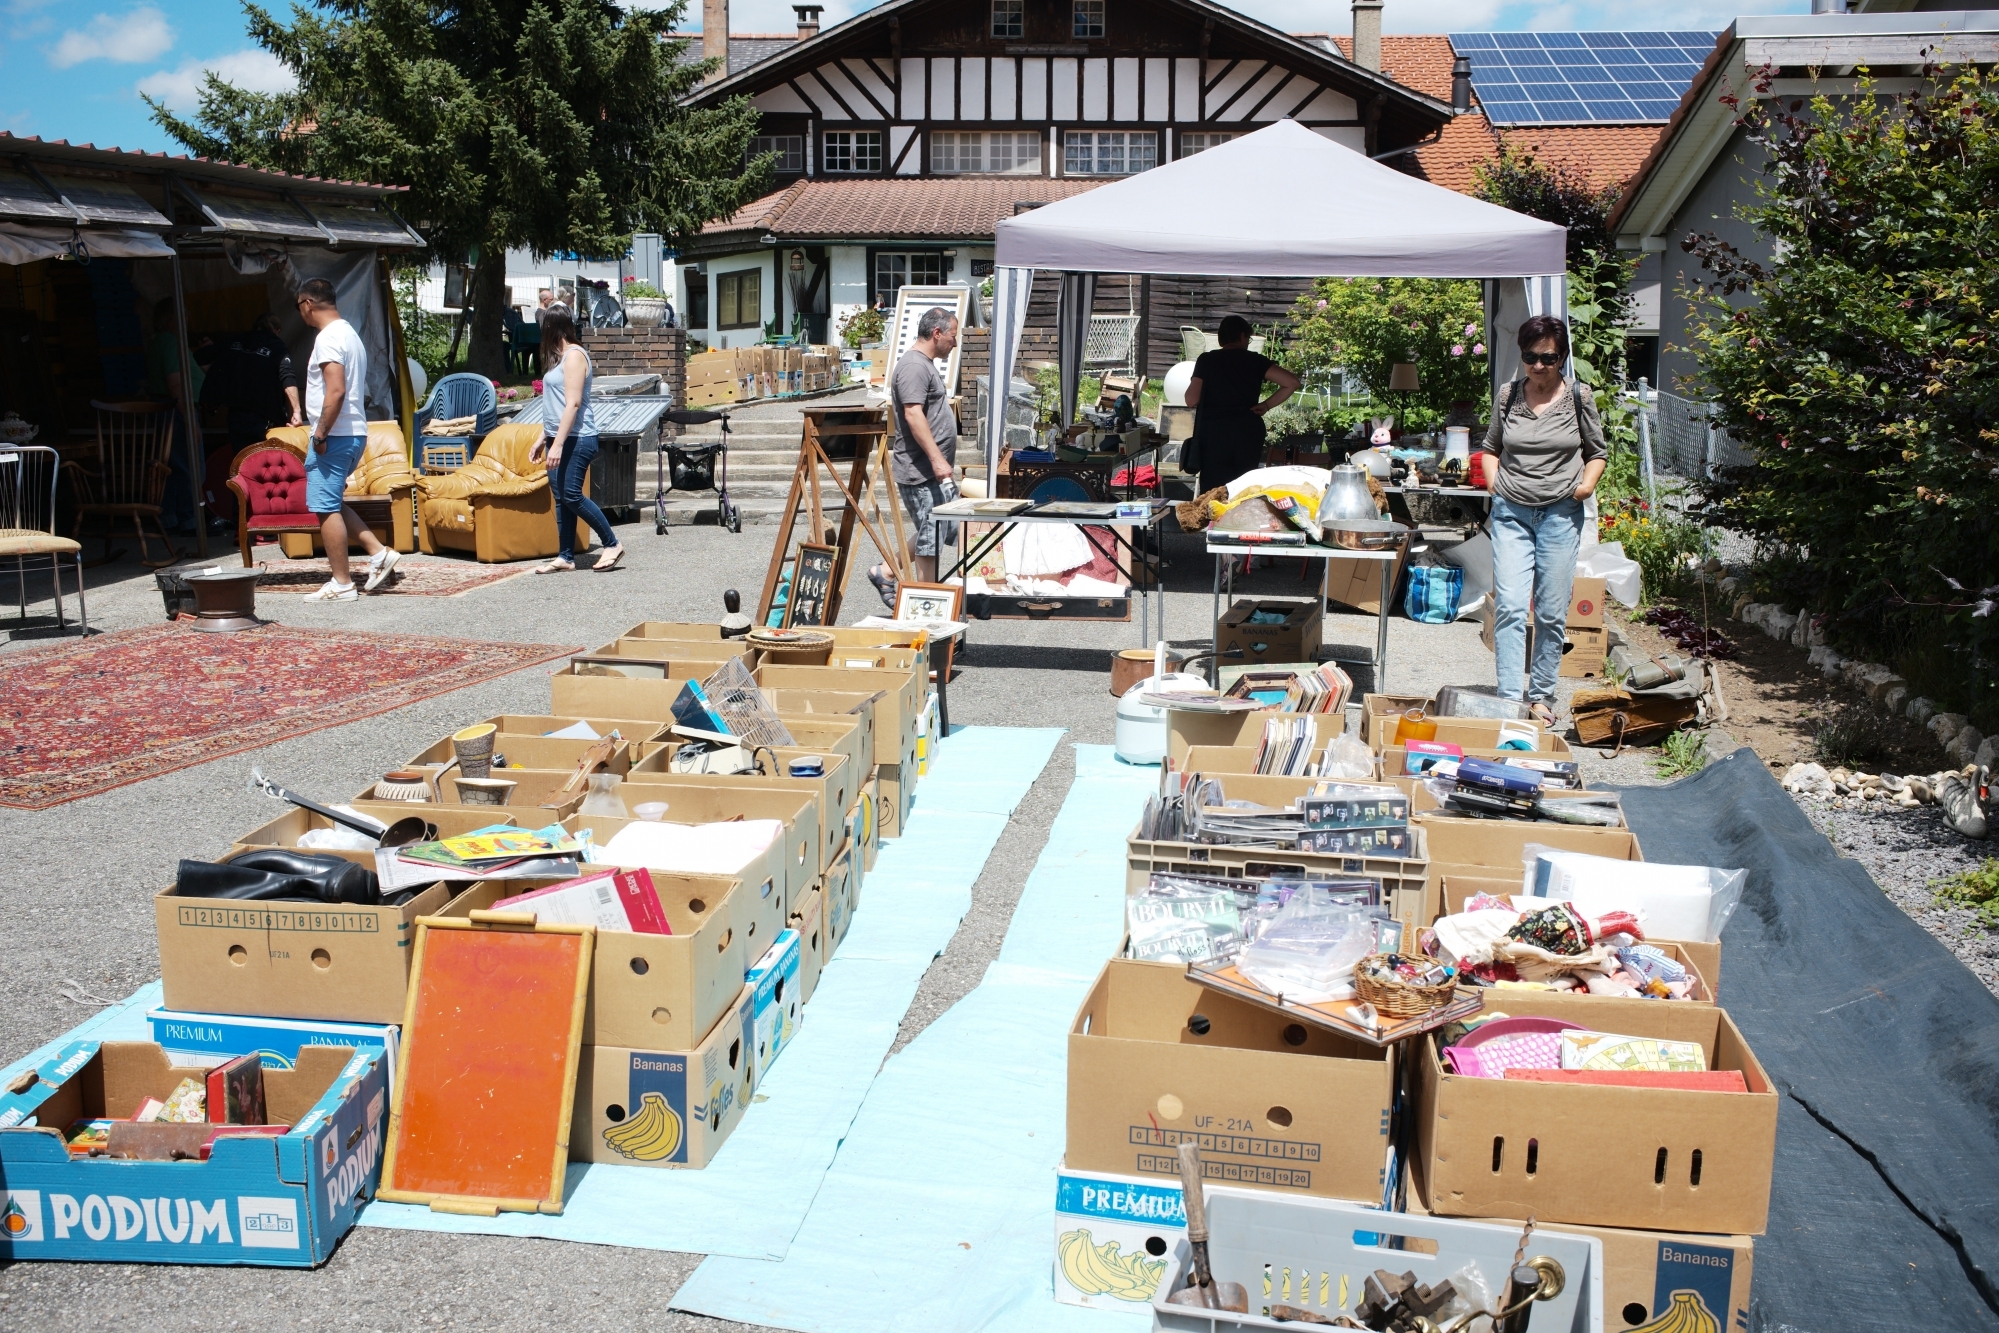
x: 1009, y: 21
x: 853, y: 150
x: 1109, y: 152
x: 992, y: 153
x: 895, y: 269
x: 1089, y: 18
x: 1186, y: 145
x: 789, y: 148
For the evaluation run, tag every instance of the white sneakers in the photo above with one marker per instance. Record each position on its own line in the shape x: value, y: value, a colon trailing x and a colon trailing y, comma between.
x: 334, y: 592
x: 381, y: 566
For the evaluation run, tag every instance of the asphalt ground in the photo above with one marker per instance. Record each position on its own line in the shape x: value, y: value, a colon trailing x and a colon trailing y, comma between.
x: 77, y: 883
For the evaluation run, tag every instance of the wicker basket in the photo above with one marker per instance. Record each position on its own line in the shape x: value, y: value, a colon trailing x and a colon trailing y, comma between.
x: 793, y: 647
x: 1393, y: 997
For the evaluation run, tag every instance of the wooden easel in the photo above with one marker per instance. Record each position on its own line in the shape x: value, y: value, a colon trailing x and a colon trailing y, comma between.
x: 870, y: 464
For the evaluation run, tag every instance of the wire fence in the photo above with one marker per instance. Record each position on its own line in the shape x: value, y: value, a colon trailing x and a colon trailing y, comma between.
x: 1678, y: 438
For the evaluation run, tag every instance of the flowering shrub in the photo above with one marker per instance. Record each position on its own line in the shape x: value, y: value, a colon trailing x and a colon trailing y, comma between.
x: 1368, y: 325
x: 1659, y: 541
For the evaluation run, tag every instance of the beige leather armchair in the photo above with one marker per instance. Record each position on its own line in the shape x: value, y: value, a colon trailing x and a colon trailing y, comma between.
x: 498, y: 507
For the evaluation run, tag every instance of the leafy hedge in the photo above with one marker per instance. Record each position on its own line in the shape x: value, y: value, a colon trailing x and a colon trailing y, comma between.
x: 1858, y: 365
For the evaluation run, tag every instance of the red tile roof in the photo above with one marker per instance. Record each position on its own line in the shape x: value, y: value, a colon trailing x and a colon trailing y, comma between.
x: 1607, y: 154
x: 1422, y: 63
x: 960, y: 206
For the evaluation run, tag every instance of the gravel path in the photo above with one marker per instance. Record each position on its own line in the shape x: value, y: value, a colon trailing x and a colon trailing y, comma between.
x: 1907, y: 852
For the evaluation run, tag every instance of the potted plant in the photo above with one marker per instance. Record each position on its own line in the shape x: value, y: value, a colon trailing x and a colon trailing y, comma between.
x: 863, y: 327
x: 645, y: 307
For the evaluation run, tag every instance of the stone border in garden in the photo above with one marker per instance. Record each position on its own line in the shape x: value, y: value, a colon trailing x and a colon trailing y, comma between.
x: 1963, y: 743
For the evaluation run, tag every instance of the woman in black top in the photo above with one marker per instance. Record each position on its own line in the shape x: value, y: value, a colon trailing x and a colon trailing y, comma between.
x: 1228, y: 419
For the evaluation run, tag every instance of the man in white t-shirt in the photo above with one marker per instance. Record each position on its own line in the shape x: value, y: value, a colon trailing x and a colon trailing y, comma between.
x: 335, y: 376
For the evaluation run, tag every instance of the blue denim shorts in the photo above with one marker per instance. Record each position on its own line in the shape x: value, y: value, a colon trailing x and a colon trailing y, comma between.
x: 327, y: 467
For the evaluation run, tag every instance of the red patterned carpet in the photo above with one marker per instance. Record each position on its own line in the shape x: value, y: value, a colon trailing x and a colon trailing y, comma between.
x: 415, y: 576
x: 89, y: 715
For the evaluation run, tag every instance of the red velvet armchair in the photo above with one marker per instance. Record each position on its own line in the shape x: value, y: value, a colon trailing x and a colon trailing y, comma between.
x: 269, y: 481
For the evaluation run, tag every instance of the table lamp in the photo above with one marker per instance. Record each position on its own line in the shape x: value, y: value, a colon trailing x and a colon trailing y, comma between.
x: 1402, y: 379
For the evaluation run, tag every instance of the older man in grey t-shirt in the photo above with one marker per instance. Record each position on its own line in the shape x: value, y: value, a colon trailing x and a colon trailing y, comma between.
x: 925, y: 448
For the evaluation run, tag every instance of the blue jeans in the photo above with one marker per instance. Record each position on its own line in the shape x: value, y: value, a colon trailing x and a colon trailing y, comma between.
x: 1533, y: 562
x: 571, y: 503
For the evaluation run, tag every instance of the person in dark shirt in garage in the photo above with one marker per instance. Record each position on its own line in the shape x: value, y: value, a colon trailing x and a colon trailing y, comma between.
x: 253, y: 379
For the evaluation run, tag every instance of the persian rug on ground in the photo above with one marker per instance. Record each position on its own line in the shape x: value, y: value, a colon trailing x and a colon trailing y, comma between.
x: 415, y: 575
x: 89, y: 715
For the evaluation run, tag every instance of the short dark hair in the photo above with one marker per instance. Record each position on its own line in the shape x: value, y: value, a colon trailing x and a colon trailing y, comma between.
x: 558, y: 330
x: 320, y: 292
x: 1234, y: 329
x: 1538, y: 327
x: 934, y: 320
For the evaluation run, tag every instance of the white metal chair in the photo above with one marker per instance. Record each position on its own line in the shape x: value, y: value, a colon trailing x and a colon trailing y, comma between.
x: 28, y: 523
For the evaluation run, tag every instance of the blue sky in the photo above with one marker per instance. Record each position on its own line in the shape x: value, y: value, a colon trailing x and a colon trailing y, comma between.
x: 74, y: 69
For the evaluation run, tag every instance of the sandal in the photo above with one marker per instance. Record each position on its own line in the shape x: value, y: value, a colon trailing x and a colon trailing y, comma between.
x: 1541, y: 713
x: 555, y: 567
x: 884, y: 583
x: 609, y: 559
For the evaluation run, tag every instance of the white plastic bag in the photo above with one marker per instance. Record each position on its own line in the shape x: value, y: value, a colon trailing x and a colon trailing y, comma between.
x: 1347, y: 757
x: 1673, y: 902
x: 1620, y: 573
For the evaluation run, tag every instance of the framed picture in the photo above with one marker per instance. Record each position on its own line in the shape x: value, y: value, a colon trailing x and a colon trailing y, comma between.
x: 932, y: 601
x: 811, y: 576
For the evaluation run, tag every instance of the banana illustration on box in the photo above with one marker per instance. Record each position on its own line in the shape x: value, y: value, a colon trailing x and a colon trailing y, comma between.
x: 1099, y: 1270
x: 1687, y: 1314
x: 650, y: 1136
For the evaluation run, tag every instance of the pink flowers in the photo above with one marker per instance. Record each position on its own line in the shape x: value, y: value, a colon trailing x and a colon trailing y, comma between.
x: 1478, y: 349
x: 1471, y: 330
x: 1321, y: 305
x: 1457, y: 349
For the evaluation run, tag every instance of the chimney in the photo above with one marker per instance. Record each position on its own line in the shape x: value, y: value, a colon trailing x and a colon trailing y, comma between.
x: 1828, y: 6
x: 808, y: 20
x: 715, y: 36
x: 1367, y: 34
x: 1461, y: 84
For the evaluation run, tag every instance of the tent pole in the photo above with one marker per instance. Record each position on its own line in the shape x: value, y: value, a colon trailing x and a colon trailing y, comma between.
x: 190, y: 415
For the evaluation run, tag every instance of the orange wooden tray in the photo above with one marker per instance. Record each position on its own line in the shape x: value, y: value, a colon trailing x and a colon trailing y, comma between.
x: 486, y: 1079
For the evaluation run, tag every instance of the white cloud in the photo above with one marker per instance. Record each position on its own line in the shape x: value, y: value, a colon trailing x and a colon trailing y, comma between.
x: 252, y: 70
x: 129, y: 39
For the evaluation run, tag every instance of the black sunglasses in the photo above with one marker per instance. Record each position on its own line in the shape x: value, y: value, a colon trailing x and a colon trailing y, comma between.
x: 1541, y: 358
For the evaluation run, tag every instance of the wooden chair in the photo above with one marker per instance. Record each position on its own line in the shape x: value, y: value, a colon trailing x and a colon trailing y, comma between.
x: 1113, y: 385
x: 28, y: 523
x: 129, y: 476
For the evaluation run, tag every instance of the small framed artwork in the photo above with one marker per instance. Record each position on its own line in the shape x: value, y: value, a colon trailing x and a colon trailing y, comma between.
x: 812, y: 575
x: 931, y: 601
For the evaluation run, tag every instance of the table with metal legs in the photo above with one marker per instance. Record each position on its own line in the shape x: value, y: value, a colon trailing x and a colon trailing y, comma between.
x: 1141, y: 569
x: 1225, y: 581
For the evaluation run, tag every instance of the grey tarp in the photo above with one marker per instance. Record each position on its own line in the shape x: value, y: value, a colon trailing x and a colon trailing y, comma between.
x: 1884, y: 1212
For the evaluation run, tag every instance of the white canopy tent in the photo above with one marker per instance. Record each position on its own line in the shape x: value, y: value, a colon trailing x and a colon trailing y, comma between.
x: 1281, y: 202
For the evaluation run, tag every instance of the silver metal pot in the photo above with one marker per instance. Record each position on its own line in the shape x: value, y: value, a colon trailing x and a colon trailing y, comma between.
x: 1347, y: 498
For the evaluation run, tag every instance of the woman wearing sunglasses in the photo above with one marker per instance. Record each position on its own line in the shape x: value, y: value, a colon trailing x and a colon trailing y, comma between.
x: 1547, y: 453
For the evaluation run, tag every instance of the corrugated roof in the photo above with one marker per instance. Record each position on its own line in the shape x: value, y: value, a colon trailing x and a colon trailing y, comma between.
x: 213, y: 169
x: 965, y: 207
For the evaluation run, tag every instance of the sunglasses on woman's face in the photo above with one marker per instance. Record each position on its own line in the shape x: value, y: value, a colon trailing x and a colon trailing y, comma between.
x: 1541, y: 358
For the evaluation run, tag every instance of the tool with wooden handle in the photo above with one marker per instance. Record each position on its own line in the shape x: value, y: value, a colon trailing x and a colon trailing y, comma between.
x: 1202, y: 1289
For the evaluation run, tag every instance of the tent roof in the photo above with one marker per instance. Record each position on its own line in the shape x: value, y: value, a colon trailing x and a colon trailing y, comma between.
x: 1282, y: 202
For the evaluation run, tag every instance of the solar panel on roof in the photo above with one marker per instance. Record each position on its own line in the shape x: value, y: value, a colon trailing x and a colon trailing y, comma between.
x: 1526, y: 78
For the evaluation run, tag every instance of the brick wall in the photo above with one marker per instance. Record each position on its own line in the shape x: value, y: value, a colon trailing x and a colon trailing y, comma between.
x: 642, y: 351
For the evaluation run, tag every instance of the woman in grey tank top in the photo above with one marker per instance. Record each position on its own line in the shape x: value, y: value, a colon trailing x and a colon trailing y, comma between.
x: 570, y: 442
x: 1544, y: 454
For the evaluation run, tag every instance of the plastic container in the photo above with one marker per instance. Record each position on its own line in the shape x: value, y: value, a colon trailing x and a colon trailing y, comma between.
x: 1258, y: 1237
x: 650, y: 811
x: 1414, y: 726
x: 1141, y: 727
